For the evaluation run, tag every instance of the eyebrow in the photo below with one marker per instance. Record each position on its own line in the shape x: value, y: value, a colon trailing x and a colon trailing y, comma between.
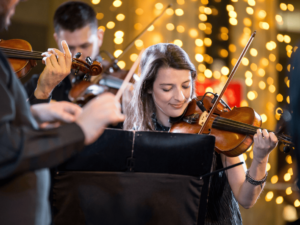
x: 82, y: 45
x: 172, y: 84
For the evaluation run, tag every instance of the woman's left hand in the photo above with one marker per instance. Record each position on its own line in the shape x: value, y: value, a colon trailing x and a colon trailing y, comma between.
x: 264, y: 143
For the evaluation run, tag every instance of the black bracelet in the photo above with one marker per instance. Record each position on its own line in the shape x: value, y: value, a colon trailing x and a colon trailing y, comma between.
x: 255, y: 182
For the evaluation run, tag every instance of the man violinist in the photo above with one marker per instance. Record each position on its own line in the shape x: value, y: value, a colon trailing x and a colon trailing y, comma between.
x: 76, y: 23
x: 26, y: 150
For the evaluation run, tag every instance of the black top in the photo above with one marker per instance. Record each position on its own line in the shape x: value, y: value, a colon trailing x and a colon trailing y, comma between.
x: 222, y: 207
x: 25, y: 152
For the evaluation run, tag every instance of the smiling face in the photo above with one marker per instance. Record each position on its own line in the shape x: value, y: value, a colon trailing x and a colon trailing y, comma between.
x: 171, y: 92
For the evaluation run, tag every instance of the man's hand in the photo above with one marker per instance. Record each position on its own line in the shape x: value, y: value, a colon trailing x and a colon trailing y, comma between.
x: 97, y: 114
x: 58, y: 66
x: 48, y: 114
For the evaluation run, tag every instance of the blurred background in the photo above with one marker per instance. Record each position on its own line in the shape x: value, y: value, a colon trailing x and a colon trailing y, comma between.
x: 213, y: 33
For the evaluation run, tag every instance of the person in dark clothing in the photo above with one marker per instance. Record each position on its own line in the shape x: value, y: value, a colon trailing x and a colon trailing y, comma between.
x: 165, y: 88
x: 76, y: 23
x: 26, y: 150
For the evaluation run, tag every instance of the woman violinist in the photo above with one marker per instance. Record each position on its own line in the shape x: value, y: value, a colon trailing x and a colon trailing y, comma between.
x: 165, y: 88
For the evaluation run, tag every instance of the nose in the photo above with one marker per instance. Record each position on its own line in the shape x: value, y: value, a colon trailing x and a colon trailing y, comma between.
x: 179, y: 95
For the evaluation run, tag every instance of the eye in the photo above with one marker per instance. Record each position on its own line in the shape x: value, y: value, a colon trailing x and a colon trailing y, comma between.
x: 166, y: 90
x: 186, y: 87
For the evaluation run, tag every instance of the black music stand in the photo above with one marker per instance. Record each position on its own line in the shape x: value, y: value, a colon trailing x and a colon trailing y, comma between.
x: 135, y: 178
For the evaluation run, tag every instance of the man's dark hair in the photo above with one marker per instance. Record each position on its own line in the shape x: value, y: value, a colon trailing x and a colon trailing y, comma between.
x: 74, y: 15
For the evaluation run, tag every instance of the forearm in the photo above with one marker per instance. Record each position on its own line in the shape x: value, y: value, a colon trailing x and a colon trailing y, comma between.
x: 249, y: 193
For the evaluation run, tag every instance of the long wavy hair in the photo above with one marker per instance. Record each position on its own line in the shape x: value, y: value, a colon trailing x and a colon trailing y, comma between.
x: 141, y: 107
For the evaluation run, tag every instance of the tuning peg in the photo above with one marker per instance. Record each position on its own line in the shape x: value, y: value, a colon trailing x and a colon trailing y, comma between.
x: 77, y: 55
x: 286, y: 149
x: 89, y: 60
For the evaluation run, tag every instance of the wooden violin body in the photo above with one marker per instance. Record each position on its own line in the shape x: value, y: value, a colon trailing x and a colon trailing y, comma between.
x: 233, y: 129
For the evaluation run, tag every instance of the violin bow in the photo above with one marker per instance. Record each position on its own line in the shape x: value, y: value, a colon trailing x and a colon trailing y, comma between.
x: 228, y: 81
x: 128, y: 76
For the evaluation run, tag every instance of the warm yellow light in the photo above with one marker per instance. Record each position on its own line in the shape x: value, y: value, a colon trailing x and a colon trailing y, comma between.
x: 248, y: 82
x: 245, y: 156
x: 170, y: 26
x: 95, y: 2
x: 202, y: 17
x: 223, y: 53
x: 180, y: 28
x: 179, y: 12
x: 139, y: 43
x: 151, y: 28
x: 233, y: 61
x: 121, y: 64
x: 207, y: 10
x: 287, y: 177
x: 225, y: 70
x: 120, y: 17
x: 244, y: 103
x: 287, y: 39
x: 117, y: 3
x: 233, y: 21
x: 224, y: 30
x: 249, y: 10
x: 217, y: 74
x: 290, y: 171
x: 253, y: 67
x: 138, y: 26
x: 199, y: 57
x: 118, y: 40
x: 297, y: 203
x: 262, y: 14
x: 170, y: 11
x: 264, y: 118
x: 209, y: 89
x: 251, y: 2
x: 269, y: 46
x: 110, y: 25
x: 199, y: 42
x: 204, y: 2
x: 253, y: 52
x: 99, y: 16
x: 248, y: 74
x: 288, y: 99
x: 214, y: 12
x: 232, y: 48
x: 178, y: 42
x: 280, y: 37
x: 268, y: 166
x: 283, y: 6
x: 102, y: 28
x: 208, y: 73
x: 288, y: 83
x: 289, y: 48
x: 247, y: 31
x: 272, y: 57
x: 207, y: 42
x: 279, y: 97
x: 288, y: 159
x: 262, y: 85
x: 193, y: 33
x: 269, y: 196
x: 290, y: 7
x: 117, y: 53
x: 119, y: 34
x: 272, y: 88
x: 245, y: 61
x: 139, y: 11
x: 278, y: 18
x: 264, y: 25
x: 229, y: 8
x: 180, y: 2
x: 232, y: 14
x: 202, y: 26
x: 270, y: 80
x: 264, y: 61
x: 159, y: 6
x: 279, y: 200
x: 201, y: 77
x: 201, y: 67
x: 289, y: 191
x: 279, y: 67
x: 133, y: 57
x: 274, y: 179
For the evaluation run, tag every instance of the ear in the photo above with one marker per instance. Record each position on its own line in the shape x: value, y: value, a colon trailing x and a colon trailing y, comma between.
x: 100, y: 35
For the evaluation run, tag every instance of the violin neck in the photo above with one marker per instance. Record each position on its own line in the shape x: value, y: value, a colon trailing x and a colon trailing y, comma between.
x: 21, y: 54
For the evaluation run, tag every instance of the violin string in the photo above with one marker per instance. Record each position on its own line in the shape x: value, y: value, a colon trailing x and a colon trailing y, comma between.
x: 22, y: 50
x: 17, y: 56
x: 21, y: 53
x: 9, y: 50
x: 249, y: 129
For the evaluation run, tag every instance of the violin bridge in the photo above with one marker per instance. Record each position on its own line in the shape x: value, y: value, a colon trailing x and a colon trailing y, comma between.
x: 203, y: 118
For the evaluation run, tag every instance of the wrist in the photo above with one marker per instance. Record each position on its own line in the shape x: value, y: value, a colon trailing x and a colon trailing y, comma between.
x: 261, y: 160
x: 41, y: 94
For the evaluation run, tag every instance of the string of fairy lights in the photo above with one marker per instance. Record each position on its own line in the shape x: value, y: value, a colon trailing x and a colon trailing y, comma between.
x: 200, y: 36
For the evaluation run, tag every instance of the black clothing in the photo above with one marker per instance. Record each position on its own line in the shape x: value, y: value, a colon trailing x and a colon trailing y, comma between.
x: 222, y: 207
x: 26, y: 152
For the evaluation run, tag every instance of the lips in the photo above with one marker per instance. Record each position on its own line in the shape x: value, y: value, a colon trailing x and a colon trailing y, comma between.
x: 177, y: 106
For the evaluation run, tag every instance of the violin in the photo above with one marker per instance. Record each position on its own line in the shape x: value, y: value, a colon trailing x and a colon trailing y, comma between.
x: 22, y: 58
x: 233, y: 129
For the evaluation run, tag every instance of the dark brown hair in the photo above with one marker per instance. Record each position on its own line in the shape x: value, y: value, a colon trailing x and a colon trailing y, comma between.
x: 141, y: 108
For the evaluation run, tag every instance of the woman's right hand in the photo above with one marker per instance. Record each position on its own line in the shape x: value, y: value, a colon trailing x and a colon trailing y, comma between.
x: 97, y: 115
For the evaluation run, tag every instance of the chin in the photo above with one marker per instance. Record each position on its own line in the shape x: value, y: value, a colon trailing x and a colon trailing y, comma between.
x: 176, y: 113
